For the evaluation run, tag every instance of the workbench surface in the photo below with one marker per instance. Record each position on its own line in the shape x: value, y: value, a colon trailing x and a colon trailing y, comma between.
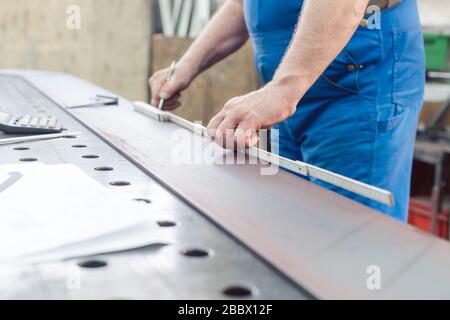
x: 159, y: 271
x: 279, y: 236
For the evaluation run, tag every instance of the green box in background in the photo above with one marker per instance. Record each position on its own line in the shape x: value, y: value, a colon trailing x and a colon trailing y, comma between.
x: 436, y: 50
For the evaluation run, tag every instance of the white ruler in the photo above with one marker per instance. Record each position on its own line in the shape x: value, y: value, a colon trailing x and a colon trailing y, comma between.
x: 307, y: 170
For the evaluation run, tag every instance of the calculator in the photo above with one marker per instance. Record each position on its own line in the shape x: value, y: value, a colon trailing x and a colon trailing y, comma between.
x: 28, y: 124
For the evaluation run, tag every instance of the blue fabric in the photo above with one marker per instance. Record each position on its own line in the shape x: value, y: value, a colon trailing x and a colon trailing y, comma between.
x: 361, y: 124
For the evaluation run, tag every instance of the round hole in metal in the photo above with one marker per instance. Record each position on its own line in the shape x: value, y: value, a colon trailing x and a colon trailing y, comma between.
x: 79, y: 146
x: 237, y: 291
x: 195, y: 253
x: 143, y: 200
x: 22, y: 148
x: 166, y: 224
x: 90, y: 156
x: 119, y: 183
x: 104, y: 169
x: 92, y: 264
x: 28, y: 159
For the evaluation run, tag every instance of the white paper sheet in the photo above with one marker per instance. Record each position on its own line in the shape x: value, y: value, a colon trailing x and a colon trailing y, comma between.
x: 137, y: 237
x: 50, y: 207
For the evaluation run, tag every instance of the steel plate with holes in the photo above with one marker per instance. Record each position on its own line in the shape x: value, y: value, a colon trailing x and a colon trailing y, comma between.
x: 204, y: 263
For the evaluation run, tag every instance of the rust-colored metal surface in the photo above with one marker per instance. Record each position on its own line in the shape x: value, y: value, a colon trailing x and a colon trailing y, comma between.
x: 326, y: 243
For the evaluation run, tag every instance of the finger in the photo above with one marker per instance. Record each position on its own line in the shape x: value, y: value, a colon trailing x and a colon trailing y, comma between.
x: 169, y: 88
x: 155, y: 88
x: 172, y: 107
x: 171, y: 104
x: 214, y: 124
x: 226, y: 131
x: 173, y: 100
x: 246, y: 135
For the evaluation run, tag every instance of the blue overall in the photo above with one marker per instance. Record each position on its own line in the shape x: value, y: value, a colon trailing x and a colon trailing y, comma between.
x: 359, y: 119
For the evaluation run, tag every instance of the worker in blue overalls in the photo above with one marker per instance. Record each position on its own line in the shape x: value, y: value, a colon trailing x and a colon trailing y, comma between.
x: 343, y: 85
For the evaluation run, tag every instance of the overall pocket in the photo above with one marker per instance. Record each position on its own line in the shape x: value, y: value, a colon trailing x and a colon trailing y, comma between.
x: 357, y: 65
x: 389, y: 117
x: 409, y: 67
x: 343, y: 73
x: 408, y: 78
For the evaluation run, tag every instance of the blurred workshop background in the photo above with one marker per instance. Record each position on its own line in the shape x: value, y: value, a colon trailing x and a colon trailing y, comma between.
x: 120, y: 43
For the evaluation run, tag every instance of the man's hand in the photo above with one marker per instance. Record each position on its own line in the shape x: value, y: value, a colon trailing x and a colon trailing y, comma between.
x: 170, y: 90
x: 240, y: 120
x: 223, y: 35
x: 325, y: 27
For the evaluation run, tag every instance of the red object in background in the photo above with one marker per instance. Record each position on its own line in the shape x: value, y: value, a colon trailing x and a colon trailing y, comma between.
x: 420, y: 217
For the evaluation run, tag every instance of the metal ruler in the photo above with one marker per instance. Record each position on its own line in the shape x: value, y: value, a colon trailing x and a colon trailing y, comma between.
x: 307, y: 170
x: 38, y: 137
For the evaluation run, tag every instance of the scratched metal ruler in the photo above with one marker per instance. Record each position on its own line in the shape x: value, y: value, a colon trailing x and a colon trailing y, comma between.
x: 302, y: 168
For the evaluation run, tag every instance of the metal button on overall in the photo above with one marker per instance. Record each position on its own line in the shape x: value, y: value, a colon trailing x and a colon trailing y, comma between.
x: 364, y: 23
x: 351, y: 68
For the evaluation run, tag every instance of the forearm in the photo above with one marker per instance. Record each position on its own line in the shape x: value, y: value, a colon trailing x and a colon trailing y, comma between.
x: 223, y: 35
x: 324, y: 29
